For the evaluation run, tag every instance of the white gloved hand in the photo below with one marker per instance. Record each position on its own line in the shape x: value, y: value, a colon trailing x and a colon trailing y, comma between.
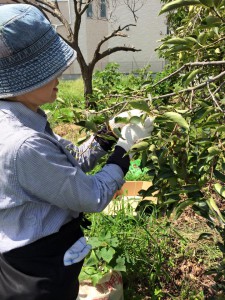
x: 76, y: 252
x: 125, y: 117
x: 131, y: 133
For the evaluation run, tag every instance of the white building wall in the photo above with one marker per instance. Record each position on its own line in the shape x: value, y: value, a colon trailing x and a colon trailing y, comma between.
x: 149, y: 29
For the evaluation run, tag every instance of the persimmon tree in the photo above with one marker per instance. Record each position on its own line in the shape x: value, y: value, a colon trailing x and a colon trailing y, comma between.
x: 185, y: 154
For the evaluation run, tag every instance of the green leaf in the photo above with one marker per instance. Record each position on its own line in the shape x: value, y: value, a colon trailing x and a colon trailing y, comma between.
x: 107, y: 255
x: 94, y: 242
x: 176, y: 41
x: 177, y: 118
x: 114, y: 242
x: 140, y: 146
x: 135, y: 120
x: 202, y: 37
x: 140, y: 104
x: 221, y: 128
x: 214, y: 150
x: 120, y: 264
x: 211, y: 21
x: 177, y: 4
x: 95, y: 278
x: 178, y: 48
x: 220, y: 189
x: 180, y: 208
x: 213, y: 206
x: 92, y: 259
x: 121, y: 120
x: 219, y: 175
x: 88, y: 125
x: 184, y: 190
x: 191, y: 76
x: 190, y: 39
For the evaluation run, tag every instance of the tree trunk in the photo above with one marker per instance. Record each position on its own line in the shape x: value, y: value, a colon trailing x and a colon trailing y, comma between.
x: 87, y: 74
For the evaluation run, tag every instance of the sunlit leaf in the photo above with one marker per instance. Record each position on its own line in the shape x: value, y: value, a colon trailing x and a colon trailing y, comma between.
x: 120, y: 264
x: 176, y: 41
x: 142, y: 145
x: 177, y: 4
x: 140, y: 104
x: 213, y: 206
x: 214, y: 150
x: 191, y: 76
x: 177, y: 118
x: 107, y: 254
x: 220, y: 189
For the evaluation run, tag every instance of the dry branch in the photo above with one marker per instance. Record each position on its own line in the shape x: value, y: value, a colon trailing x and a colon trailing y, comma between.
x: 194, y: 64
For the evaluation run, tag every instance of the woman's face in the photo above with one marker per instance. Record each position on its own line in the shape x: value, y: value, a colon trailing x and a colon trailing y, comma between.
x: 42, y: 95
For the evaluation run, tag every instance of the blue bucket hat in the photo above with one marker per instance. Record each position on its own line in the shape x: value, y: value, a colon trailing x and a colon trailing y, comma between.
x: 31, y: 52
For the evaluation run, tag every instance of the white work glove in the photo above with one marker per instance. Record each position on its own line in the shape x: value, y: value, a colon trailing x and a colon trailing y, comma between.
x: 131, y: 133
x: 125, y: 116
x: 76, y: 252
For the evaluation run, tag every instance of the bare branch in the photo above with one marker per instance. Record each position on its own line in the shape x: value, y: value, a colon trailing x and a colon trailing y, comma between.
x: 195, y: 64
x: 213, y: 97
x: 191, y: 89
x: 113, y: 50
x: 213, y: 79
x: 85, y: 7
x: 134, y: 6
x: 116, y: 33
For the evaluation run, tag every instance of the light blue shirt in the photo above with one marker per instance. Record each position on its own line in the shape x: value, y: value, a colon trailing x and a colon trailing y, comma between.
x: 42, y: 185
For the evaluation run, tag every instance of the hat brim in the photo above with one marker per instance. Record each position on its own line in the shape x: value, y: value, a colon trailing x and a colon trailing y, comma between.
x: 38, y: 70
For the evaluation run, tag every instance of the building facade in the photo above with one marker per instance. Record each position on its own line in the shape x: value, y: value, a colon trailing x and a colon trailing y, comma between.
x: 102, y: 17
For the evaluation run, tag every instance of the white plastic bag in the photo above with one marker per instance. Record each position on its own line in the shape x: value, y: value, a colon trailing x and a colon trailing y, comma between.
x: 110, y: 287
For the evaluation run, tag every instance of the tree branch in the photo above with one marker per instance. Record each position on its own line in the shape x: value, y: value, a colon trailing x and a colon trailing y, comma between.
x: 85, y: 7
x: 113, y: 50
x: 192, y: 88
x: 115, y: 33
x: 195, y: 64
x: 213, y: 97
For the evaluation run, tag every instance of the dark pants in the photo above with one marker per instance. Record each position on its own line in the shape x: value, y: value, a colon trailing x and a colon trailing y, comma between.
x: 36, y: 271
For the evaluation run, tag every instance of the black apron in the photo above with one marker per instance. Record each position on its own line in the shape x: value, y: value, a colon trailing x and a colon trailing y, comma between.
x: 36, y: 271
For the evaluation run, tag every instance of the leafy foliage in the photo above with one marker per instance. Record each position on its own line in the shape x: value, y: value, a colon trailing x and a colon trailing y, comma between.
x: 185, y: 154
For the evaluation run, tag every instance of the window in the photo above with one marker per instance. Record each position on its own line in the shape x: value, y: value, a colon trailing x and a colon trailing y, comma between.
x: 89, y: 11
x: 103, y: 8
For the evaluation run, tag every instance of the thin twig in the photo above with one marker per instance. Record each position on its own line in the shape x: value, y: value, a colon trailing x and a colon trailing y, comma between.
x: 194, y: 64
x: 213, y: 97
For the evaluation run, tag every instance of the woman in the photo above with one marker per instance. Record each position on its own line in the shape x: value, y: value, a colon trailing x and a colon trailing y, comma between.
x: 44, y: 188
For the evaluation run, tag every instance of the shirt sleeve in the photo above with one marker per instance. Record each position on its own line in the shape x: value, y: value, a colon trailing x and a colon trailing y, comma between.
x: 87, y: 154
x: 46, y: 174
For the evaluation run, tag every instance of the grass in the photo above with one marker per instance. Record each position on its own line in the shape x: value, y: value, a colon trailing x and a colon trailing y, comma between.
x: 70, y: 101
x: 164, y: 258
